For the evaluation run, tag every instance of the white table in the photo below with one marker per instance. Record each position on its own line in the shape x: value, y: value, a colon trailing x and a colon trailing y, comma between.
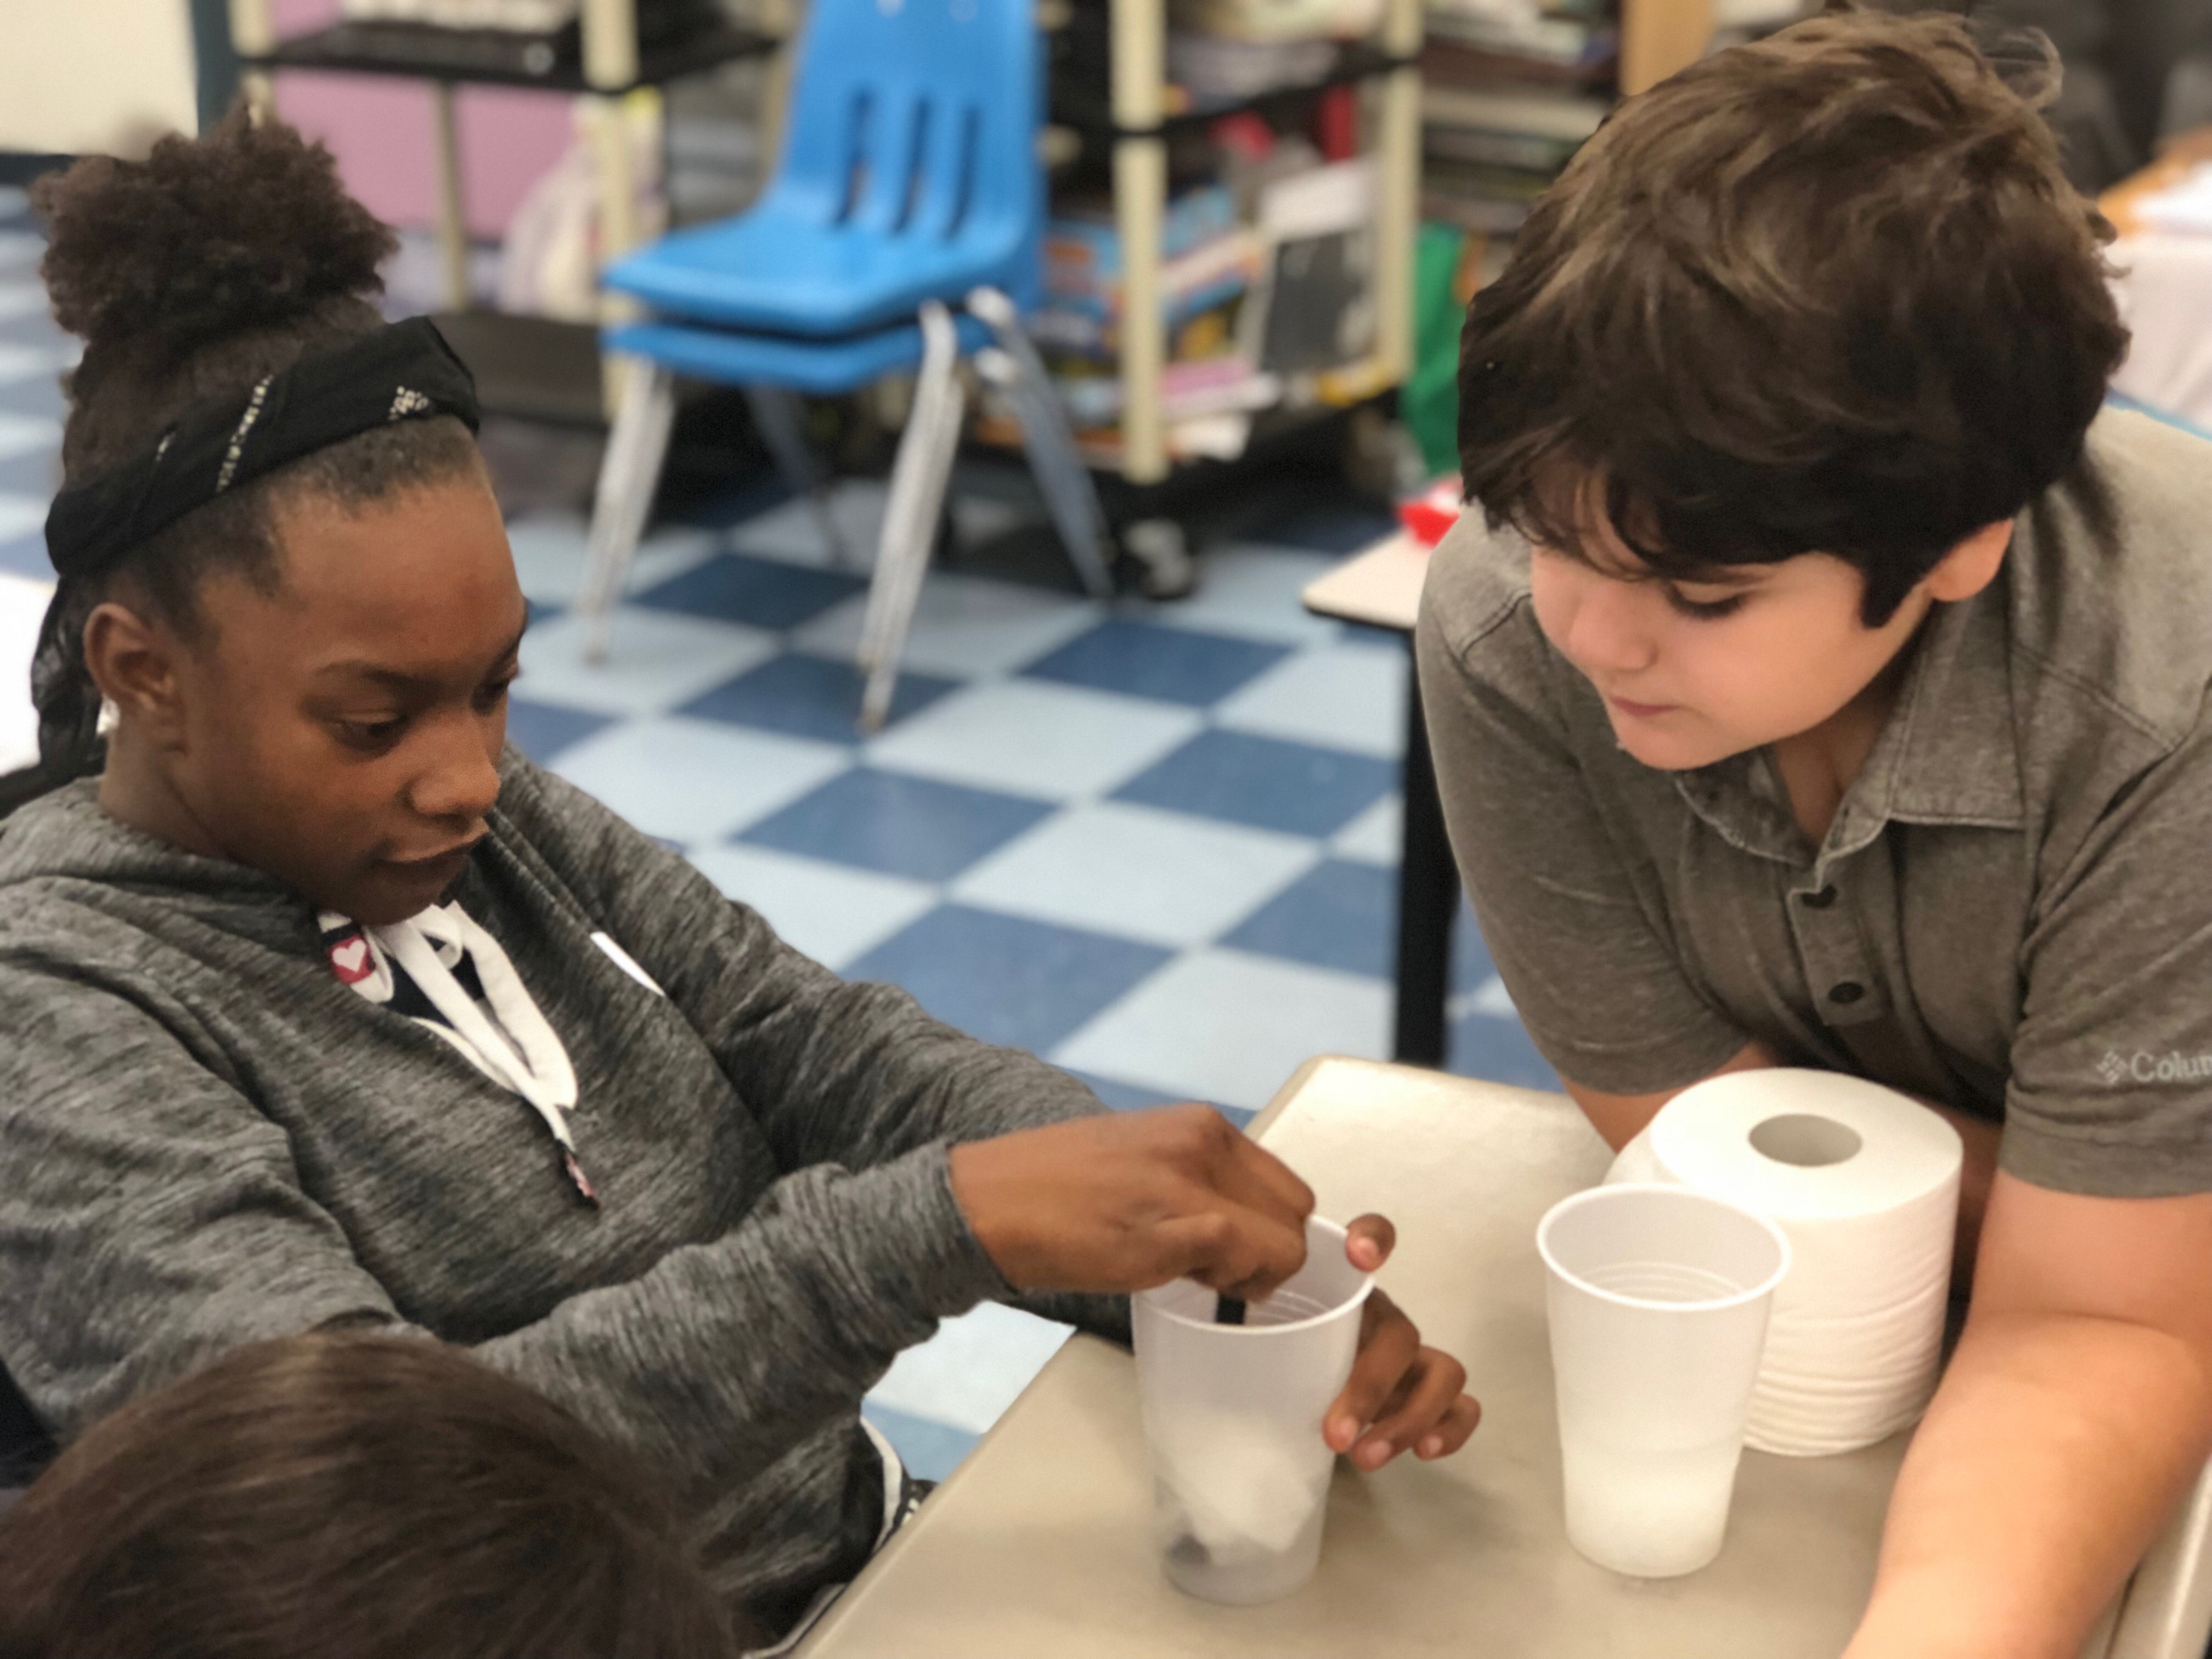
x: 1038, y: 1546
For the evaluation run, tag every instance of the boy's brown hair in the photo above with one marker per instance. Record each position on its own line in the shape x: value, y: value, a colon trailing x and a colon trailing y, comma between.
x: 352, y: 1497
x: 1828, y: 292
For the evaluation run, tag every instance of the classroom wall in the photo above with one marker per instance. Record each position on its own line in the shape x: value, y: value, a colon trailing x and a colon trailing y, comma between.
x: 381, y: 132
x: 107, y: 76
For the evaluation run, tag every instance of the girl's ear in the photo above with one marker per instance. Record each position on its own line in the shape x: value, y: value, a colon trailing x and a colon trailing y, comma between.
x: 135, y: 665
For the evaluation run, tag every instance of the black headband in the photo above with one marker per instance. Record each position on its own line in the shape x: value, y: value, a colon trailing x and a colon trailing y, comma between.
x: 403, y: 372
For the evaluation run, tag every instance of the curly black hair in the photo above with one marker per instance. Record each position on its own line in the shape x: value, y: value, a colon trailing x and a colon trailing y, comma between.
x: 191, y: 276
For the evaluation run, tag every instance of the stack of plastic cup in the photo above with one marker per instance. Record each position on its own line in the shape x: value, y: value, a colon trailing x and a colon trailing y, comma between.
x: 1233, y: 1418
x: 1659, y: 1299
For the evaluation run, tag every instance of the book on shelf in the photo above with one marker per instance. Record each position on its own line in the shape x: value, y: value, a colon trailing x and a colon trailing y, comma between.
x: 1480, y: 147
x: 1488, y: 214
x: 1568, y: 117
x: 1447, y: 62
x: 1086, y: 322
x: 1083, y: 239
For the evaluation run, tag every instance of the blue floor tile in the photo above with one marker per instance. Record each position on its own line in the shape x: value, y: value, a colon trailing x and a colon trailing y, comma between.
x: 1339, y: 915
x: 761, y: 593
x: 542, y: 730
x: 1298, y: 787
x: 903, y: 826
x: 930, y: 1450
x: 1172, y: 664
x: 39, y: 394
x: 26, y: 555
x: 1487, y: 1046
x: 809, y: 696
x: 37, y: 474
x: 33, y: 328
x: 1349, y: 527
x: 1026, y: 984
x: 1471, y: 962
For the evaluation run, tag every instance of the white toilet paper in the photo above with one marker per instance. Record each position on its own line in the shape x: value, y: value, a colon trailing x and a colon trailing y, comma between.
x: 1865, y: 1182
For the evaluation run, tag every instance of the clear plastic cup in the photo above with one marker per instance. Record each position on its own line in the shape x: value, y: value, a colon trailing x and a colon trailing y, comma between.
x: 1233, y: 1418
x: 1658, y: 1298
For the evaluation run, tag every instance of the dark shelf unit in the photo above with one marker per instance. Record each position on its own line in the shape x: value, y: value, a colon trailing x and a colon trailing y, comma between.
x: 1088, y: 111
x: 548, y: 62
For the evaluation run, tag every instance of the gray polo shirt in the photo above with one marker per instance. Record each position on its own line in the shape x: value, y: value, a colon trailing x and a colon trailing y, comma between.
x: 2012, y: 911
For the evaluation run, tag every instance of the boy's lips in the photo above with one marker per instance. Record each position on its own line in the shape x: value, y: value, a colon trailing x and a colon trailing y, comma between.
x: 1639, y: 710
x: 423, y: 864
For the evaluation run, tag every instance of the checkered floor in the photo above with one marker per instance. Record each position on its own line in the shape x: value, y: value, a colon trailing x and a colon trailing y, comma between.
x: 1154, y: 843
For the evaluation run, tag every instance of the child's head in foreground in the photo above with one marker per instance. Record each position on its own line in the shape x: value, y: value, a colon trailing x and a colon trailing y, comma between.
x: 1775, y: 365
x: 350, y: 1497
x: 308, y: 667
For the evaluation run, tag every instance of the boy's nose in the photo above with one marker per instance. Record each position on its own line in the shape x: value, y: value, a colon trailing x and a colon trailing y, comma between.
x: 1606, y: 635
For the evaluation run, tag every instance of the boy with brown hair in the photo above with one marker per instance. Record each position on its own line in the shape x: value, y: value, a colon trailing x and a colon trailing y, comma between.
x: 1823, y: 683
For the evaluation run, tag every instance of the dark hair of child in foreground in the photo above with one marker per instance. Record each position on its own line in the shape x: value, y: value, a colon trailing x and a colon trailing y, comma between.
x: 350, y: 1497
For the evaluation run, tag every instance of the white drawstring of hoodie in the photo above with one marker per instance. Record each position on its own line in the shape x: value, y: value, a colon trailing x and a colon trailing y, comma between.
x: 513, y: 1044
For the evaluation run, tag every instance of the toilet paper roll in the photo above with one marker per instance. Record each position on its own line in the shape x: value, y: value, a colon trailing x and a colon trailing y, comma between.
x: 1865, y: 1182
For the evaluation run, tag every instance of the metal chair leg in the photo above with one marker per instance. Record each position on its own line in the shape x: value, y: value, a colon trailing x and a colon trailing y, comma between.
x: 919, y: 479
x: 1069, y: 494
x: 629, y: 474
x: 778, y: 414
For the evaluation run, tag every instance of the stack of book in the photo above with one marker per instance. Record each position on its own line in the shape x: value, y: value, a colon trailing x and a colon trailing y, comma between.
x: 1509, y: 92
x: 1209, y: 260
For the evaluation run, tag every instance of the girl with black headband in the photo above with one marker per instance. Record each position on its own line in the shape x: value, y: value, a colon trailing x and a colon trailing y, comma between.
x: 324, y: 1008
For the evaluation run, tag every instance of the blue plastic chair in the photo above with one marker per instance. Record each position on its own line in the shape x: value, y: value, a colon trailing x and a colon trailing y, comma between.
x: 910, y: 184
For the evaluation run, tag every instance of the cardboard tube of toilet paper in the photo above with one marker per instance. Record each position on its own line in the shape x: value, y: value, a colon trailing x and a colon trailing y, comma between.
x: 1865, y: 1182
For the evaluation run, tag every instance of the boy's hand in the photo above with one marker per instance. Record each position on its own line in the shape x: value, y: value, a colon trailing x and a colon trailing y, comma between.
x: 1128, y: 1201
x: 1402, y: 1395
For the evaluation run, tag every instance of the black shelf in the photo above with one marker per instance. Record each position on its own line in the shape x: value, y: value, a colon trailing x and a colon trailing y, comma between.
x: 1088, y: 110
x: 550, y: 63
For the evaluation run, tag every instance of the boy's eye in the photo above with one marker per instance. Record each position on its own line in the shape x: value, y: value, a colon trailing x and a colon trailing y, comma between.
x: 1703, y: 610
x: 493, y: 693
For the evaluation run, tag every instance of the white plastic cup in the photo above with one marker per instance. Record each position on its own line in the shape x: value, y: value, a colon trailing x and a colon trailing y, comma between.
x: 1658, y: 1298
x: 1233, y: 1417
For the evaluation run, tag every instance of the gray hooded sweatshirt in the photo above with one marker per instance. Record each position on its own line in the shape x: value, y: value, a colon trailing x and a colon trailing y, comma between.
x: 206, y: 1138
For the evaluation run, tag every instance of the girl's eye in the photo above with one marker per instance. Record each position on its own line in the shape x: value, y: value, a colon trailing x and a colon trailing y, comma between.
x: 373, y: 734
x: 1703, y: 611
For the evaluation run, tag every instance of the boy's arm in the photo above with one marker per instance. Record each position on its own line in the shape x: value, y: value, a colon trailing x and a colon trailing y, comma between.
x: 2073, y: 1416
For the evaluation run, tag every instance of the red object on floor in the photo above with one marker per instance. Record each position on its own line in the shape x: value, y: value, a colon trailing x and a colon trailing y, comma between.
x: 1428, y: 515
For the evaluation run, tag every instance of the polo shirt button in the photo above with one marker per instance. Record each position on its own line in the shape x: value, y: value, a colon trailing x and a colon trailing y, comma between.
x: 1848, y: 993
x: 1821, y: 900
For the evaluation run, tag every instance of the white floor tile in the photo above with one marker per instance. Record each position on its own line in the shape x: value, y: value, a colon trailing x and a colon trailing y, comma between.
x: 1230, y: 1028
x: 1375, y: 837
x: 549, y: 556
x: 21, y: 300
x: 695, y: 781
x: 656, y: 660
x: 22, y: 607
x: 970, y: 1372
x: 21, y: 362
x: 1166, y: 877
x: 20, y: 249
x: 1490, y: 997
x: 1345, y: 696
x: 832, y: 913
x: 1035, y: 738
x: 20, y: 515
x: 24, y: 434
x: 1252, y: 590
x: 964, y: 626
x: 790, y: 530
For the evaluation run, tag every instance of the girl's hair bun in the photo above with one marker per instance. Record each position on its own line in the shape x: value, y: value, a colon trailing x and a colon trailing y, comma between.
x: 241, y: 229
